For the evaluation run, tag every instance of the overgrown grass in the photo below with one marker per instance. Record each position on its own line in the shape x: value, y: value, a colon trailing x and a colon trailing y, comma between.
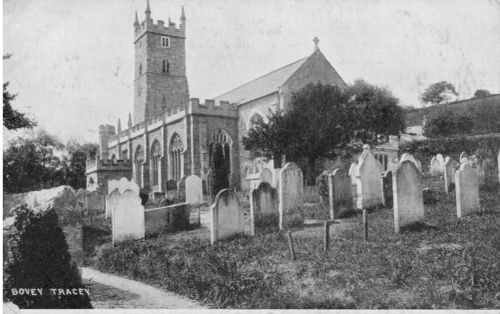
x: 445, y: 263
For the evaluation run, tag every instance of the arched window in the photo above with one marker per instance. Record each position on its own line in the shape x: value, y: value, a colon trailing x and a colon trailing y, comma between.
x: 255, y: 119
x: 221, y: 141
x: 138, y: 161
x: 91, y: 183
x: 176, y: 149
x: 155, y: 162
x: 140, y: 68
x: 113, y: 158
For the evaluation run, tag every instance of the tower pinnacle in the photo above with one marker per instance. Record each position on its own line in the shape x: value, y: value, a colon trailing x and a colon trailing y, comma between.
x: 316, y: 43
x: 136, y: 22
x: 148, y: 8
x: 183, y: 16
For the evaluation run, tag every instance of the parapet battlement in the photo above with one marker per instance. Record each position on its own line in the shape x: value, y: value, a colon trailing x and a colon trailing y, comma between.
x: 209, y: 107
x: 160, y: 28
x: 107, y: 164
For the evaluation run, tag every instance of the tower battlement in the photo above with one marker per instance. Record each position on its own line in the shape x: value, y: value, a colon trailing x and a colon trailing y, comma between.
x: 99, y: 164
x: 212, y: 107
x: 160, y: 27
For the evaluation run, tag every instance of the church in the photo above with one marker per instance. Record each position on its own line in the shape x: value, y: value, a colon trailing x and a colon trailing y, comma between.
x: 170, y: 135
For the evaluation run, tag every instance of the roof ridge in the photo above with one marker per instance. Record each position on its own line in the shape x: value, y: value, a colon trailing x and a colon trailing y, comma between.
x: 264, y: 75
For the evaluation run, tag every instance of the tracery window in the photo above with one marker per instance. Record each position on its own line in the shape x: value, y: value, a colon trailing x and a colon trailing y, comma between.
x: 176, y: 149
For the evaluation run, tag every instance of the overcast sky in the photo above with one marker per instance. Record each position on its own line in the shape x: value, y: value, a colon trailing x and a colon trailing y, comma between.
x: 72, y: 62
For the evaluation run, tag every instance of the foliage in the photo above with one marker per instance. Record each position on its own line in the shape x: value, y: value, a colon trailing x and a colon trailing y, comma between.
x: 453, y: 147
x: 447, y: 123
x: 42, y: 161
x: 480, y: 93
x: 445, y: 262
x: 13, y: 119
x: 40, y: 259
x: 324, y: 121
x: 438, y: 93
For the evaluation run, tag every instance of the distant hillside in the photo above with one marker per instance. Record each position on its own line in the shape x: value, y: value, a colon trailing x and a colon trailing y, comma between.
x: 478, y: 108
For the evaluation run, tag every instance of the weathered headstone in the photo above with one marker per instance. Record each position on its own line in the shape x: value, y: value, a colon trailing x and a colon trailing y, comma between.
x: 118, y: 186
x: 449, y: 174
x: 194, y: 190
x: 339, y: 192
x: 467, y: 190
x: 368, y: 183
x: 127, y: 212
x: 387, y: 188
x: 322, y: 188
x: 266, y: 176
x: 291, y: 188
x: 353, y: 174
x: 227, y: 219
x: 437, y: 167
x: 264, y: 204
x: 407, y: 195
x: 171, y: 188
x: 181, y: 191
x: 408, y: 156
x: 441, y: 159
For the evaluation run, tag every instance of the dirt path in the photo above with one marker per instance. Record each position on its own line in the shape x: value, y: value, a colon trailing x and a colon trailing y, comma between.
x: 149, y: 296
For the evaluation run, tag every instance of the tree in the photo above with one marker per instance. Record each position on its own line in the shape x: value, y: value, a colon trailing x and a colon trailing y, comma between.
x: 481, y: 93
x: 13, y: 119
x: 438, y: 93
x: 447, y: 123
x: 324, y: 121
x: 74, y: 164
x: 40, y: 259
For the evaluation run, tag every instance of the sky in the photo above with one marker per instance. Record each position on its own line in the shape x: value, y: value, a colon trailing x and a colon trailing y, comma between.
x: 73, y: 60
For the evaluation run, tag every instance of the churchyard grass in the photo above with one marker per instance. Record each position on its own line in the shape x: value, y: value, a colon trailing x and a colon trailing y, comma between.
x: 445, y: 262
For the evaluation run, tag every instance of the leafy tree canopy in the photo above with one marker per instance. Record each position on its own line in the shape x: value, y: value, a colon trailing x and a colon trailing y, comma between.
x: 480, y: 93
x: 438, y: 93
x: 447, y: 123
x: 324, y: 121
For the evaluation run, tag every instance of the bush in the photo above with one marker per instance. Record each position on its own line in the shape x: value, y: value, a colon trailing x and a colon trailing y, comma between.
x: 424, y: 150
x: 40, y: 259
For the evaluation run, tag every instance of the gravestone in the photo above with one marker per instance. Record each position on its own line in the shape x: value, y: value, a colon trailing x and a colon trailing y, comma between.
x: 322, y: 188
x: 368, y: 181
x: 353, y: 175
x: 467, y: 190
x: 463, y: 155
x: 210, y: 181
x: 449, y: 174
x: 407, y: 195
x: 127, y: 213
x: 387, y: 188
x: 171, y: 188
x: 266, y: 176
x: 291, y: 188
x: 478, y: 167
x: 194, y: 190
x: 264, y: 204
x: 181, y: 189
x: 437, y: 167
x: 408, y: 156
x: 227, y: 219
x: 339, y: 192
x: 120, y: 186
x: 441, y: 159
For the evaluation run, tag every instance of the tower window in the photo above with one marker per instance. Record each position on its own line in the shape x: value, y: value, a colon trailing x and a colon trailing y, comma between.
x: 165, y: 42
x: 140, y: 69
x: 165, y: 66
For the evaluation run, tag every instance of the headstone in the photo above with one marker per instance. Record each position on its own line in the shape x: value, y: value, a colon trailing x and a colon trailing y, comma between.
x: 210, y: 181
x: 437, y: 168
x: 479, y: 167
x: 441, y: 159
x: 266, y: 176
x: 449, y: 174
x: 387, y: 188
x: 171, y: 189
x: 127, y: 213
x: 463, y: 155
x: 290, y: 190
x: 467, y: 190
x: 264, y: 204
x: 408, y: 196
x: 226, y: 216
x: 194, y: 190
x: 181, y: 192
x: 368, y: 183
x: 353, y: 174
x: 408, y: 156
x: 322, y: 187
x: 339, y: 192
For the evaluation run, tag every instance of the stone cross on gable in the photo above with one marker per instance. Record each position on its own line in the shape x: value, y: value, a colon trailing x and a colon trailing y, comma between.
x: 316, y: 43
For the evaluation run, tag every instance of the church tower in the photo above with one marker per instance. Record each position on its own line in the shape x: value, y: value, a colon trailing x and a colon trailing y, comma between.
x: 160, y: 81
